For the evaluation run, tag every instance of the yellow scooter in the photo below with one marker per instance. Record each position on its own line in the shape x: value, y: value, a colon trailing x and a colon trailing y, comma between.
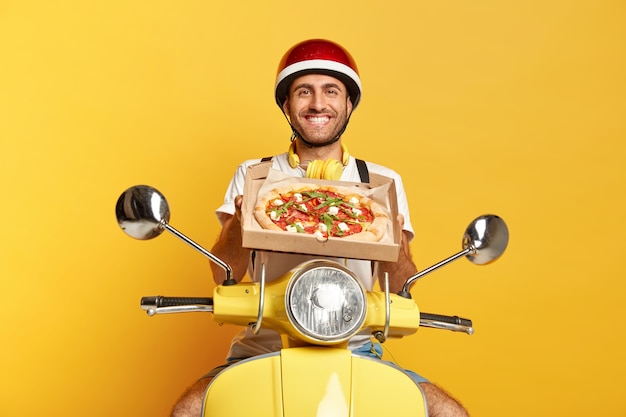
x: 316, y: 307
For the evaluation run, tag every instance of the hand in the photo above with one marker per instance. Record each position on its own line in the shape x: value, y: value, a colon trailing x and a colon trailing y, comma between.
x: 404, y: 267
x: 225, y: 218
x: 403, y: 240
x: 400, y: 220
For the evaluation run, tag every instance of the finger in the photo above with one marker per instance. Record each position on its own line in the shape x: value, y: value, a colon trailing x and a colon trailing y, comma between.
x: 401, y: 220
x: 238, y: 202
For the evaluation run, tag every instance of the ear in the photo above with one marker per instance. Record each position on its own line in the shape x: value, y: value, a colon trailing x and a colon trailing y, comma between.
x: 286, y: 105
x: 349, y: 106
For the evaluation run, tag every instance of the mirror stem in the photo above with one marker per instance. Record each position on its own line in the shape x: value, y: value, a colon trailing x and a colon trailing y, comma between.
x: 409, y: 282
x: 229, y: 272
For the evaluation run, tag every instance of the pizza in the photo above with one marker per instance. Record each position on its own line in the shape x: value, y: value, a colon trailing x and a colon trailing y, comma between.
x: 322, y: 211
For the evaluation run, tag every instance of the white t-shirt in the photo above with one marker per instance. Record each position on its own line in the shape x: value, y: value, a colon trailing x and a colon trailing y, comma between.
x: 246, y: 343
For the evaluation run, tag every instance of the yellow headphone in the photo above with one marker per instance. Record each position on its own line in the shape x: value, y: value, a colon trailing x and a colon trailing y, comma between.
x: 329, y: 169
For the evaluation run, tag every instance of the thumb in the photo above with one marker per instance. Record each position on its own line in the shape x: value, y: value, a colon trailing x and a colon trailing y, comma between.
x: 238, y: 202
x: 400, y: 219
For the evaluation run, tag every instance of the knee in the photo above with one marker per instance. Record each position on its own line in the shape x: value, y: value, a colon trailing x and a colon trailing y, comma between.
x: 190, y: 403
x: 440, y: 403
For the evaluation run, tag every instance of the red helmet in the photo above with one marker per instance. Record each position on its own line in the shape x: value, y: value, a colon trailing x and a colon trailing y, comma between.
x: 317, y: 56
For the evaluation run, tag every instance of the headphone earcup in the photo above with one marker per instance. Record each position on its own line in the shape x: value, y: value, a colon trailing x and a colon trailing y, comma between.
x: 314, y: 169
x: 332, y: 169
x: 329, y: 169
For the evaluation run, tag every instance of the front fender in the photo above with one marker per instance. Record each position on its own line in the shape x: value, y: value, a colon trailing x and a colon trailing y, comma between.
x: 313, y: 382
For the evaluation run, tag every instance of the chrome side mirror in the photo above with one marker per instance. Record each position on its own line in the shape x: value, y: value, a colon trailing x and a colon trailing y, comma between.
x: 142, y: 212
x: 484, y: 241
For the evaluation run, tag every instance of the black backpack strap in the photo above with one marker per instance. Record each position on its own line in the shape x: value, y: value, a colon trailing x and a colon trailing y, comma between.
x: 363, y: 171
x: 267, y: 158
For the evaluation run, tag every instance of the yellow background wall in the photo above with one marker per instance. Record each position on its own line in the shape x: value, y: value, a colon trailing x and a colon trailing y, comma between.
x: 515, y: 108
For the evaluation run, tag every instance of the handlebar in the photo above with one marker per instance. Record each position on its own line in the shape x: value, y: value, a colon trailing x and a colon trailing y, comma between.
x: 453, y: 323
x: 164, y: 305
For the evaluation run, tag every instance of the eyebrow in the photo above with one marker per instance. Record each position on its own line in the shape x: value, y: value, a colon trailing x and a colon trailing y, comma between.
x: 311, y: 86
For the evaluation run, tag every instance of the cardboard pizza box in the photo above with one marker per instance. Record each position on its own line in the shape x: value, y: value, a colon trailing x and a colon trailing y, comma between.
x: 255, y: 237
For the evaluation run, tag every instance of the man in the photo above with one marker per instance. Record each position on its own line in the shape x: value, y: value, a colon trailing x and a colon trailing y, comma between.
x: 317, y: 88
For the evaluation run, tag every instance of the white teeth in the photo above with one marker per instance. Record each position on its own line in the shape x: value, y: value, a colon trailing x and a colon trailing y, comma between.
x: 318, y: 120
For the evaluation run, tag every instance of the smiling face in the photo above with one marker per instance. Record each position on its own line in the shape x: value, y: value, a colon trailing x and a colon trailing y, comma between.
x: 318, y: 106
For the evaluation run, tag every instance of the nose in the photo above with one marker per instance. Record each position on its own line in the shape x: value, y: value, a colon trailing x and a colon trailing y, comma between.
x: 317, y: 102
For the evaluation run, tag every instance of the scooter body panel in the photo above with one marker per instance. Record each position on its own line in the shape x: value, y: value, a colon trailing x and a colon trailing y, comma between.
x: 248, y: 388
x: 313, y: 382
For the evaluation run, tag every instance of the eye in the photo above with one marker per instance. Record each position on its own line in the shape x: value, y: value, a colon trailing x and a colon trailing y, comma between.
x: 303, y: 92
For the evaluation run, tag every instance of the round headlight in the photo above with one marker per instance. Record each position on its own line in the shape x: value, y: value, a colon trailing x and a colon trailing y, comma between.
x: 325, y: 302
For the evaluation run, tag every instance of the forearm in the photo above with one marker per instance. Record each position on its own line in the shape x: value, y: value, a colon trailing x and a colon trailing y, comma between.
x: 228, y: 248
x: 398, y: 271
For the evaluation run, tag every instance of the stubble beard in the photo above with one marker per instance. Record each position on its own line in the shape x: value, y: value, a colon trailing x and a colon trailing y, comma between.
x: 318, y: 136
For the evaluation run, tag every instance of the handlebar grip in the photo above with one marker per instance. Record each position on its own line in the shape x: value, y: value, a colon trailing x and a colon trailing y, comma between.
x: 446, y: 319
x: 160, y: 301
